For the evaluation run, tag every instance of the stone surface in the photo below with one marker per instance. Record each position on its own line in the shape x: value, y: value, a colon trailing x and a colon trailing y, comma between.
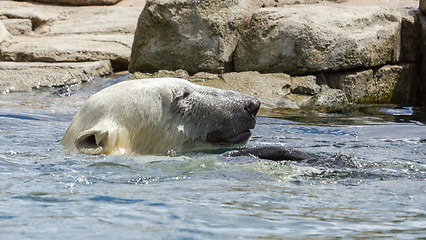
x: 280, y: 3
x: 329, y: 97
x: 18, y: 27
x: 413, y: 4
x: 357, y: 85
x: 207, y: 35
x: 410, y: 36
x: 70, y: 49
x: 189, y: 34
x: 38, y: 14
x: 19, y: 76
x: 65, y: 39
x: 406, y: 88
x: 94, y: 20
x: 300, y: 40
x: 422, y: 76
x: 385, y: 80
x: 280, y: 90
x: 4, y: 34
x: 79, y: 2
x: 387, y: 84
x: 292, y: 39
x: 423, y: 6
x: 306, y: 85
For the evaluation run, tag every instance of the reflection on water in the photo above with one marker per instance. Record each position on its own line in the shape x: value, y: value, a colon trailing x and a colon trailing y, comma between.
x: 367, y: 182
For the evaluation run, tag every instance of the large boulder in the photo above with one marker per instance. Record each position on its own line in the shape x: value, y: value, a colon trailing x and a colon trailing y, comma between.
x: 297, y: 39
x: 189, y: 34
x: 300, y: 39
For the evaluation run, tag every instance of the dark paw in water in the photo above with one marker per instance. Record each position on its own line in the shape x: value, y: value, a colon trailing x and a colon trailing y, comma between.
x: 276, y: 153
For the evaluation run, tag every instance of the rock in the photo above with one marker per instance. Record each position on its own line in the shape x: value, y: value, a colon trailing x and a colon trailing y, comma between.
x: 280, y: 3
x: 302, y: 40
x: 73, y: 42
x: 357, y: 85
x: 177, y: 74
x: 423, y: 6
x: 305, y: 85
x: 193, y: 35
x: 269, y: 88
x: 422, y: 76
x: 18, y: 27
x: 26, y: 76
x: 406, y: 88
x: 396, y: 84
x: 38, y: 15
x: 330, y: 98
x: 189, y: 34
x: 385, y: 79
x: 79, y: 2
x: 203, y: 76
x: 410, y: 36
x: 4, y: 34
x: 87, y: 20
x: 70, y: 49
x: 388, y: 84
x: 294, y: 101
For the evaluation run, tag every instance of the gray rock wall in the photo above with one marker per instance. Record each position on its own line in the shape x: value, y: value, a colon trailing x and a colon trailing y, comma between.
x: 302, y: 40
x: 340, y: 42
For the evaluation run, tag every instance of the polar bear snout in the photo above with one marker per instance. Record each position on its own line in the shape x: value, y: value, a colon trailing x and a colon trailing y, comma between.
x: 236, y: 130
x: 253, y: 107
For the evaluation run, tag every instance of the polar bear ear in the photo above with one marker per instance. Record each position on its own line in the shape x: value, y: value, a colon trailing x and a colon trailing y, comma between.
x: 92, y: 141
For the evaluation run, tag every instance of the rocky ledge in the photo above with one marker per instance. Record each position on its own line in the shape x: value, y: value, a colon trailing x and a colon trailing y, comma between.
x: 288, y: 53
x: 370, y: 51
x: 56, y: 44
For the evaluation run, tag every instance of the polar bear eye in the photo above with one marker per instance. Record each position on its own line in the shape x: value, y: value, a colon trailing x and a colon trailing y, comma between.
x: 182, y: 95
x: 185, y: 95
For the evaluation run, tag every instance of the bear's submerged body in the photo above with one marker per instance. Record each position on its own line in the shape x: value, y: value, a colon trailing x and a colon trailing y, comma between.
x: 156, y: 116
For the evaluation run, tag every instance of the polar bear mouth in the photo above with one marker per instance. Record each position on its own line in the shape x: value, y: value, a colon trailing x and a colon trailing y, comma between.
x: 217, y: 137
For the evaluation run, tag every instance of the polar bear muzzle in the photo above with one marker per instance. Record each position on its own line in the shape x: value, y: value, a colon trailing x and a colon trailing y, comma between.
x: 236, y: 135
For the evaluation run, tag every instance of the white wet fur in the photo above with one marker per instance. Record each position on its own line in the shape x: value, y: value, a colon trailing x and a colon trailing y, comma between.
x: 155, y: 116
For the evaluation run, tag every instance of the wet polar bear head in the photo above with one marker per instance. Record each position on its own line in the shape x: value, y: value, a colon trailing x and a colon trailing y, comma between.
x: 154, y: 116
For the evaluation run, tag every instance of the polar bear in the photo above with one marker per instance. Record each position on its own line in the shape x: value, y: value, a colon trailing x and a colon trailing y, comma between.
x: 158, y: 115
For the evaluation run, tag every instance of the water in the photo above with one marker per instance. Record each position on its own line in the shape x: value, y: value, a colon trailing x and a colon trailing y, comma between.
x: 368, y: 182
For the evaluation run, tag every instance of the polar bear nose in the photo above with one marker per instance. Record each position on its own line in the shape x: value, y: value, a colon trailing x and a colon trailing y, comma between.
x: 253, y: 106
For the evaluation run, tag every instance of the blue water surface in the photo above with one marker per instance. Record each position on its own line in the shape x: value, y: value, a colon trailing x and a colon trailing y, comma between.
x: 369, y: 183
